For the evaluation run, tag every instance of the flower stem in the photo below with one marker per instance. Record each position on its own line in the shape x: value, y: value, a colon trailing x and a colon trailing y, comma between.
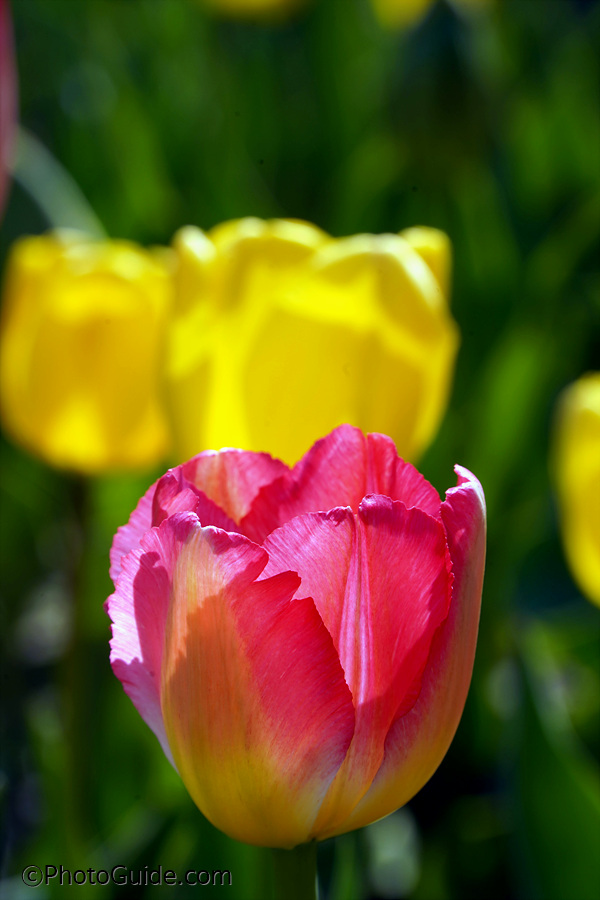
x: 295, y: 873
x: 75, y: 684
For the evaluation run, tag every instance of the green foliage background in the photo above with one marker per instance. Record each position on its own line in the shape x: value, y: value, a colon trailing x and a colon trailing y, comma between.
x: 487, y: 127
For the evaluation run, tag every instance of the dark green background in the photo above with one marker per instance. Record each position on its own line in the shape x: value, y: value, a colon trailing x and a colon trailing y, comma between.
x: 487, y: 127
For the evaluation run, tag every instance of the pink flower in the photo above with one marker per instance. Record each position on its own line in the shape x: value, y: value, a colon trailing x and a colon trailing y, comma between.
x: 300, y: 641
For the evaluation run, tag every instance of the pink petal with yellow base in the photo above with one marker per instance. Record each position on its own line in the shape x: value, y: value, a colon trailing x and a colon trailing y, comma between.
x: 419, y: 739
x: 381, y: 582
x: 256, y: 709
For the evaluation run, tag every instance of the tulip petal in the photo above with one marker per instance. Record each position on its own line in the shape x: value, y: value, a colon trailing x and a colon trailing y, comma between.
x: 129, y: 536
x: 81, y: 349
x: 138, y: 611
x: 576, y: 471
x: 339, y: 470
x: 381, y: 583
x: 169, y: 495
x: 287, y: 332
x: 434, y: 248
x: 232, y: 478
x: 391, y: 476
x: 419, y: 739
x: 174, y: 494
x: 257, y: 712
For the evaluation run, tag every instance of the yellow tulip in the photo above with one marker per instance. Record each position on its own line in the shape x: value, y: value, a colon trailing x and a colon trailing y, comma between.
x: 254, y: 8
x: 402, y: 13
x: 576, y: 462
x: 81, y: 349
x: 280, y: 333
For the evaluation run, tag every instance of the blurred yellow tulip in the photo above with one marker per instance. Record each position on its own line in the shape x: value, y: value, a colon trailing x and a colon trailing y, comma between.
x: 281, y: 332
x: 81, y: 339
x: 254, y: 8
x: 402, y: 13
x: 576, y: 464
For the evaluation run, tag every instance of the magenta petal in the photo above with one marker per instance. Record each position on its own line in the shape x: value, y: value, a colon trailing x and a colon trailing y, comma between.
x: 138, y: 610
x: 169, y: 495
x: 232, y: 479
x: 331, y: 474
x: 418, y: 740
x: 463, y: 513
x: 129, y: 536
x: 339, y: 470
x: 174, y: 494
x: 391, y: 476
x: 410, y: 579
x: 381, y: 583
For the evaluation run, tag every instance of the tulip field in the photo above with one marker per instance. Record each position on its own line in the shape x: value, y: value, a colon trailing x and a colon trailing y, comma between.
x: 300, y: 449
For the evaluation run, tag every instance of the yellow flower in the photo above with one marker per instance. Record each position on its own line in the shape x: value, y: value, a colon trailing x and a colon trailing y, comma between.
x: 576, y: 461
x: 280, y: 333
x: 80, y: 341
x: 402, y: 13
x: 254, y: 8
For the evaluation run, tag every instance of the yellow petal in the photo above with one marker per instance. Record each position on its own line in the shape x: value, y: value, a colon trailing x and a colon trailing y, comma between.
x: 81, y: 341
x: 576, y: 465
x: 433, y: 246
x: 291, y: 333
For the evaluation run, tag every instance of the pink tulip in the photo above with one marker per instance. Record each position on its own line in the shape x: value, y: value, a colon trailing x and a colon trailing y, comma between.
x: 300, y: 641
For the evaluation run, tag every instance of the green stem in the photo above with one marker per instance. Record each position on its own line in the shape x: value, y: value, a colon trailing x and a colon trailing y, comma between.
x: 295, y: 873
x: 52, y: 187
x: 75, y: 688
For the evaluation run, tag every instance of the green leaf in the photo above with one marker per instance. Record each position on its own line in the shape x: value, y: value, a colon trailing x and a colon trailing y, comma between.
x: 557, y: 787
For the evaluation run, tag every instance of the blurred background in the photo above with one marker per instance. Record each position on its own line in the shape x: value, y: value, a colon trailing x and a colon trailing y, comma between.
x: 481, y: 119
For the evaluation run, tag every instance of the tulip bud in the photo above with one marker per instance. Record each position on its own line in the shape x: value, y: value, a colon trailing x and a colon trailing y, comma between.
x: 576, y: 465
x: 280, y: 333
x: 300, y: 641
x: 81, y: 341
